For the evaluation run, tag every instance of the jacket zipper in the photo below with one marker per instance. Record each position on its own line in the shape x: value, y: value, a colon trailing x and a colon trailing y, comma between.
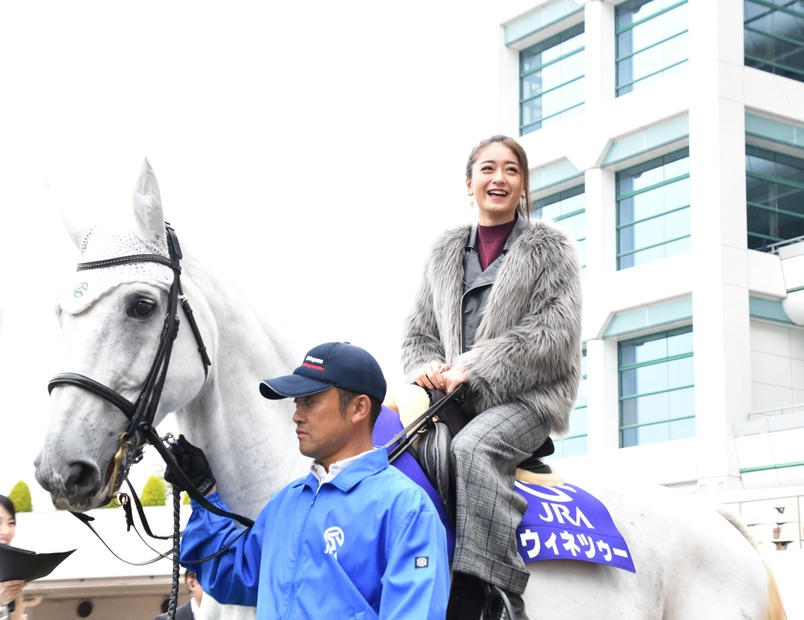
x: 298, y: 556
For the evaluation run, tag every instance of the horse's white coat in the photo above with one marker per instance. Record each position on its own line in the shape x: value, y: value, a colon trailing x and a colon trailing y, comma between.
x: 691, y: 563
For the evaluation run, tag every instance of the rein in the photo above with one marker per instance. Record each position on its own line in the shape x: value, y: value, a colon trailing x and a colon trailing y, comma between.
x: 141, y: 413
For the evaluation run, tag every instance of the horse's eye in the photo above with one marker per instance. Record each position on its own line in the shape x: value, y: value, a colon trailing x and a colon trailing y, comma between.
x: 142, y: 308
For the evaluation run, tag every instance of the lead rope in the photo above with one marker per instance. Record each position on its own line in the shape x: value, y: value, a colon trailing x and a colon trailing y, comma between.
x: 174, y: 587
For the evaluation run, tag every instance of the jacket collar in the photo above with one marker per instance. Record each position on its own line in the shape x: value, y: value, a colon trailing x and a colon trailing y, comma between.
x: 367, y: 465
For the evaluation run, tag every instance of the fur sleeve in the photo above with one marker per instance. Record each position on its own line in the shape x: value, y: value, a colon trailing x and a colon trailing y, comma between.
x: 421, y: 342
x: 432, y: 330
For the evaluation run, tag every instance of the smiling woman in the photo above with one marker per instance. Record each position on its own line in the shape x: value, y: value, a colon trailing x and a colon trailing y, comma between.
x: 499, y: 309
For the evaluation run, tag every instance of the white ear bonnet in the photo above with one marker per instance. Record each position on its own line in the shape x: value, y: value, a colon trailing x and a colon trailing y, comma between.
x: 86, y: 287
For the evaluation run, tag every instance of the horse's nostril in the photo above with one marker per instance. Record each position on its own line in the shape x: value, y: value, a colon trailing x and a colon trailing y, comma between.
x: 82, y: 478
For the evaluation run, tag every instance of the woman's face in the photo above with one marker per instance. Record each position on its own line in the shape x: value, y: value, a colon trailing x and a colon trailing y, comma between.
x: 496, y: 184
x: 8, y: 525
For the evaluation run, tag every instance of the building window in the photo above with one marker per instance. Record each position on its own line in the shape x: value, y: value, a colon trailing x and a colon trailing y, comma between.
x: 774, y: 37
x: 775, y: 194
x: 653, y: 210
x: 551, y: 79
x: 651, y: 41
x: 568, y: 210
x: 574, y: 443
x: 657, y: 391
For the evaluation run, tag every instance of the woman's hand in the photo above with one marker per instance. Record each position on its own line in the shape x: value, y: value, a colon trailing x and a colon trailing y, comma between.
x: 453, y: 377
x: 431, y: 376
x: 10, y: 590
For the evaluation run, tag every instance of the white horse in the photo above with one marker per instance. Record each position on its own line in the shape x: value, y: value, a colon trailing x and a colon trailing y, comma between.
x: 111, y: 333
x: 690, y: 561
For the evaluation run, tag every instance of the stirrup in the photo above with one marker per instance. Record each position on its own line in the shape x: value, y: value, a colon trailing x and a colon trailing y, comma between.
x: 494, y: 594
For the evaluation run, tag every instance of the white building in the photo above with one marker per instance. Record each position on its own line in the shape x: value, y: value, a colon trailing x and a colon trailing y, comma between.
x: 668, y: 137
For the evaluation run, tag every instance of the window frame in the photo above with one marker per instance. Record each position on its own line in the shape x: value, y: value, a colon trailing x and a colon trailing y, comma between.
x: 538, y: 206
x: 626, y: 87
x: 662, y: 161
x: 756, y: 150
x: 555, y: 40
x: 790, y: 71
x: 653, y: 336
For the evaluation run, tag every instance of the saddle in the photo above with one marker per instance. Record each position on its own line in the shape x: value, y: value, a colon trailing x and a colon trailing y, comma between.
x: 433, y: 453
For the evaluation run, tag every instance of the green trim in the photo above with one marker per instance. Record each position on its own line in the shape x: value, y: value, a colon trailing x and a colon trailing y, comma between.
x: 632, y: 223
x: 645, y: 20
x: 526, y: 129
x: 541, y: 67
x: 769, y: 309
x: 649, y: 317
x: 773, y: 7
x: 628, y: 427
x: 630, y: 55
x: 791, y: 134
x: 549, y: 91
x: 653, y: 246
x: 751, y: 470
x: 552, y: 174
x: 539, y: 19
x: 648, y: 139
x: 624, y: 85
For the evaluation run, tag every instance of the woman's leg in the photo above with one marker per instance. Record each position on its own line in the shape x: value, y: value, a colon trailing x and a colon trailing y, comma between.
x: 485, y: 455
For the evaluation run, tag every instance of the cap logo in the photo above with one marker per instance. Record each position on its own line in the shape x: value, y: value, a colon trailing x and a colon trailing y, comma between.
x: 313, y: 362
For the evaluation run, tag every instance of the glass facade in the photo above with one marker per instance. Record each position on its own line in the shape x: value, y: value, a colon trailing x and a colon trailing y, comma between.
x: 568, y: 210
x: 574, y: 443
x: 775, y: 197
x: 651, y: 41
x: 657, y: 393
x: 774, y: 37
x: 551, y: 79
x: 653, y: 210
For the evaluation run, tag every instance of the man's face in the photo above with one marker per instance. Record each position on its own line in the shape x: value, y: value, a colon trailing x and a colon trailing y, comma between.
x: 323, y: 430
x: 194, y: 588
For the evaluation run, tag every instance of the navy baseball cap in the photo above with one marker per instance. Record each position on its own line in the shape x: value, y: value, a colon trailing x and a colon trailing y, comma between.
x: 333, y: 364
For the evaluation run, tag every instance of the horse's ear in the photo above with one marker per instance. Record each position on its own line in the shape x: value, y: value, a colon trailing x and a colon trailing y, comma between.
x: 148, y: 205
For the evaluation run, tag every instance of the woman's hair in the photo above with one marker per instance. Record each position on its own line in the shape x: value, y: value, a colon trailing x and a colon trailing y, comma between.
x: 521, y: 157
x: 8, y: 505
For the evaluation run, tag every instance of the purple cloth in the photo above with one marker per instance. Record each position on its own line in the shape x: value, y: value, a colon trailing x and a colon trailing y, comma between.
x: 387, y: 426
x: 567, y: 523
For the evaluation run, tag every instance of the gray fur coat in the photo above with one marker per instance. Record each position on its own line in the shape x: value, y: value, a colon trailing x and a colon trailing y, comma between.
x: 528, y: 345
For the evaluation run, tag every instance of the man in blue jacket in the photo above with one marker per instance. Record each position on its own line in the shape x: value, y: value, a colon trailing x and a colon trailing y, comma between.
x: 353, y: 539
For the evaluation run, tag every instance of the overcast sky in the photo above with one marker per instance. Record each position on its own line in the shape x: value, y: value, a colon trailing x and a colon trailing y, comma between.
x: 280, y: 133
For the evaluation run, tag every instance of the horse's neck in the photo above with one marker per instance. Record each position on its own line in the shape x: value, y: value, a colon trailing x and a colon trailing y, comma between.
x: 250, y: 441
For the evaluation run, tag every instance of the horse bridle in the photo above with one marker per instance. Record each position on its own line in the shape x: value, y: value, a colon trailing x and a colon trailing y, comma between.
x: 142, y: 412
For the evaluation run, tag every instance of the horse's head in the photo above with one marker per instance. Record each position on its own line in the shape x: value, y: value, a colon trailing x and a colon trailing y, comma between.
x: 114, y: 319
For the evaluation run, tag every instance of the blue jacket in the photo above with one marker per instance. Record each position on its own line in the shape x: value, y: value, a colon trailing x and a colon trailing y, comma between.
x: 369, y: 544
